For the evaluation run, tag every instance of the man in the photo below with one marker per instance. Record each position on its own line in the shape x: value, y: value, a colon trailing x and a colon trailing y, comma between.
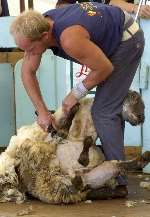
x: 103, y: 38
x: 127, y: 5
x: 4, y: 11
x: 61, y: 3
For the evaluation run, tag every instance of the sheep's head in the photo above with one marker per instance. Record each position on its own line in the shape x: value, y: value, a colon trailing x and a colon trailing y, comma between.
x: 9, y: 184
x: 133, y: 108
x: 9, y: 180
x: 9, y: 189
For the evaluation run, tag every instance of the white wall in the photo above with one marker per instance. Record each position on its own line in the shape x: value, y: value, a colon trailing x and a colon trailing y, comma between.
x: 40, y: 5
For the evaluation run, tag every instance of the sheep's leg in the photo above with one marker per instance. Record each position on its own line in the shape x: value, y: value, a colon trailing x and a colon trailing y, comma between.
x: 97, y: 178
x: 136, y: 164
x: 101, y: 174
x: 65, y: 122
x: 99, y: 194
x: 104, y: 193
x: 84, y: 156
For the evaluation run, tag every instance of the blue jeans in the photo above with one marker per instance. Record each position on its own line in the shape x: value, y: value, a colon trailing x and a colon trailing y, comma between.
x: 109, y: 98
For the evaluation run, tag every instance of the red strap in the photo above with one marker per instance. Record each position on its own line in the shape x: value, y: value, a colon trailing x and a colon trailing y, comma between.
x: 83, y: 71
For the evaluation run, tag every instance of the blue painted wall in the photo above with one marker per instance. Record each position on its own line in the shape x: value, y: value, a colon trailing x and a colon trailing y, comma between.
x: 7, y: 108
x: 51, y: 77
x: 145, y: 87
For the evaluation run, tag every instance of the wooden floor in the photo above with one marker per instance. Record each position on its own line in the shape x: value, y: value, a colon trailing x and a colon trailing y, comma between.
x: 139, y: 197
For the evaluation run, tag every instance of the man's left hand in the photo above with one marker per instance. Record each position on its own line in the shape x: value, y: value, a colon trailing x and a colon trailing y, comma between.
x: 69, y: 101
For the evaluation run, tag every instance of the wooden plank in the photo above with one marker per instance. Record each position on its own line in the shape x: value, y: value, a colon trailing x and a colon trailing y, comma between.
x: 30, y: 4
x: 22, y: 6
x: 132, y: 151
x: 10, y: 57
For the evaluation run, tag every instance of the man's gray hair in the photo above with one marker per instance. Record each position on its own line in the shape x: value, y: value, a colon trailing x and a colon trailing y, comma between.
x: 30, y: 24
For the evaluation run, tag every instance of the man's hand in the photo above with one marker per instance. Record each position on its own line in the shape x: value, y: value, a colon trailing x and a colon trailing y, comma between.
x: 45, y: 120
x: 69, y: 101
x: 145, y: 11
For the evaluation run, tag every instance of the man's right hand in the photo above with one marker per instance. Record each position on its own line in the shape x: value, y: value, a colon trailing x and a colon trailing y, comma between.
x: 45, y: 120
x: 144, y: 11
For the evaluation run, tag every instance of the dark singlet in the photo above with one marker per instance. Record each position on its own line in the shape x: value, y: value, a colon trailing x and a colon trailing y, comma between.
x: 104, y: 24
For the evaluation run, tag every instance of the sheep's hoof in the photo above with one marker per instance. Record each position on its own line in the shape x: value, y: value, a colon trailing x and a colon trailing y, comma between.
x: 146, y: 156
x: 144, y: 160
x: 84, y: 159
x: 105, y: 193
x: 66, y: 121
x: 136, y: 164
x: 88, y: 142
x: 77, y: 182
x: 84, y: 156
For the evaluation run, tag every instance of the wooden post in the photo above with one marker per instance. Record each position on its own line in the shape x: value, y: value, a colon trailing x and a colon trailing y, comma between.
x: 30, y: 4
x: 22, y: 6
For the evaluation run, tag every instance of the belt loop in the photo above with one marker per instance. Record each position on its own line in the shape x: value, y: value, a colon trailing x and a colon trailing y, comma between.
x: 128, y: 21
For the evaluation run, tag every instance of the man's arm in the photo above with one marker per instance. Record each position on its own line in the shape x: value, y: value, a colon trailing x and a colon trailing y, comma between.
x: 30, y: 82
x: 132, y: 8
x: 76, y: 42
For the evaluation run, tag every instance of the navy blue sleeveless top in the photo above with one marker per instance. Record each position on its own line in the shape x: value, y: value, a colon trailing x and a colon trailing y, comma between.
x: 104, y: 24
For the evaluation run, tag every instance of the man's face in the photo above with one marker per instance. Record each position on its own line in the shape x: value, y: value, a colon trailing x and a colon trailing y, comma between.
x: 31, y: 47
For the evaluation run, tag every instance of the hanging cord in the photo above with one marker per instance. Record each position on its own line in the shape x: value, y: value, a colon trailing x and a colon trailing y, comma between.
x: 83, y: 71
x: 138, y: 10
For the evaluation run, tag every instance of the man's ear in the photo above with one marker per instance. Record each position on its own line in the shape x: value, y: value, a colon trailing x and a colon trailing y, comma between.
x: 45, y: 35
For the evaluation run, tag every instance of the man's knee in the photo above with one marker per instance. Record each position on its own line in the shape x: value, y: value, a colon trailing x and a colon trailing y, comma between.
x: 98, y: 116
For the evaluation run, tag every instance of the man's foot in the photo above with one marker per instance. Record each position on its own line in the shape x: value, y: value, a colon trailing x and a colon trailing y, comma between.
x: 121, y: 191
x: 104, y: 193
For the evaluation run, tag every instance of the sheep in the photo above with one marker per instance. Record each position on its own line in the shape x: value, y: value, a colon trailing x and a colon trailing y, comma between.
x: 57, y: 170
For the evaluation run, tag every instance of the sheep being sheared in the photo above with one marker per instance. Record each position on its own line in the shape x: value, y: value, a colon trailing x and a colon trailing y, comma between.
x: 9, y: 183
x: 60, y: 171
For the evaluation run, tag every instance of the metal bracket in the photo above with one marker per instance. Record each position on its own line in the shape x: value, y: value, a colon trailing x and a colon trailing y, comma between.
x: 144, y: 75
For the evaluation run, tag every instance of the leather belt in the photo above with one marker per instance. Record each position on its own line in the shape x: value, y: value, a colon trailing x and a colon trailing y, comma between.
x: 130, y: 31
